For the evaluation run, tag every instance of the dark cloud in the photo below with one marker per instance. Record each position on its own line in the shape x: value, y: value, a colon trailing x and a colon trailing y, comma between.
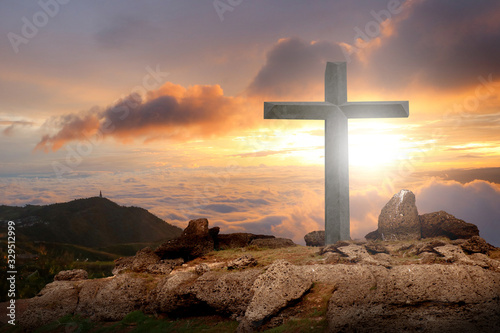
x: 445, y: 44
x: 172, y: 112
x: 464, y: 176
x: 293, y: 66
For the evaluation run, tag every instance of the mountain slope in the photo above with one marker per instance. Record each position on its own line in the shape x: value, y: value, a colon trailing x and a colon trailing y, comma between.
x: 92, y: 222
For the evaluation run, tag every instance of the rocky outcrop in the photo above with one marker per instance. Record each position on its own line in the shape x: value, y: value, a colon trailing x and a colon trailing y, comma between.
x: 368, y: 290
x: 194, y: 242
x: 71, y: 275
x: 399, y: 218
x: 237, y: 240
x: 273, y: 243
x: 440, y: 223
x: 315, y: 238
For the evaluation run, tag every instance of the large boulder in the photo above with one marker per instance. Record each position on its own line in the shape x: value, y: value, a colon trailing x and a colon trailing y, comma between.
x: 399, y: 218
x: 315, y: 238
x: 441, y: 223
x: 237, y: 240
x: 194, y: 242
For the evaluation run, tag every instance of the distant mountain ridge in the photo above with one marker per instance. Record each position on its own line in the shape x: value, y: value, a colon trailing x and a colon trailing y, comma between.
x: 92, y: 222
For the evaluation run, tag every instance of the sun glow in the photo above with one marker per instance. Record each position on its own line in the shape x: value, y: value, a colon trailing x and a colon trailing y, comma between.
x: 374, y: 144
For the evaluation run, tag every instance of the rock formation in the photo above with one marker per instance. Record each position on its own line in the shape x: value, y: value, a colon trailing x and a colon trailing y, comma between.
x: 399, y: 218
x: 443, y: 224
x: 315, y: 238
x: 195, y: 241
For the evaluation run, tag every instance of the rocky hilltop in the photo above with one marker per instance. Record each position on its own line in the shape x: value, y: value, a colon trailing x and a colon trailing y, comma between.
x: 427, y: 285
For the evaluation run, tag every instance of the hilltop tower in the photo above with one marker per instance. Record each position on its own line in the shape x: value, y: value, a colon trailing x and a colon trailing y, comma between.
x: 100, y: 194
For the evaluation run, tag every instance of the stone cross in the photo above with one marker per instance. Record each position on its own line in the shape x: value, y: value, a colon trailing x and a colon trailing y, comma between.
x: 335, y: 111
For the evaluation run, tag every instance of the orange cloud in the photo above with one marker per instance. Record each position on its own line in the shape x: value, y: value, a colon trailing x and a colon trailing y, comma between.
x: 171, y: 112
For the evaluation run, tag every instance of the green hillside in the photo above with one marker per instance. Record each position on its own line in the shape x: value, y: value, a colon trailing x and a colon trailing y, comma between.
x: 94, y: 222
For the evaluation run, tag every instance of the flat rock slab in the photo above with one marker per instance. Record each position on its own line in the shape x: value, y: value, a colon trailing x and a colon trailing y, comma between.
x: 273, y: 290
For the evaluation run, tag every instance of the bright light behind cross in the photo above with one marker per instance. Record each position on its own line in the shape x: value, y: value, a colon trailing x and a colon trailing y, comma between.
x: 374, y: 144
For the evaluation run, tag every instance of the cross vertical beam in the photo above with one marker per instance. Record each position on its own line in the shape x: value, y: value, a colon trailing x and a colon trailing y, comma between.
x: 336, y: 111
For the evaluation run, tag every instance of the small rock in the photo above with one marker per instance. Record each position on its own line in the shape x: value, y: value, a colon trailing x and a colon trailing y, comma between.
x: 315, y: 238
x: 71, y: 275
x: 356, y: 253
x: 246, y: 260
x: 273, y: 243
x: 202, y: 269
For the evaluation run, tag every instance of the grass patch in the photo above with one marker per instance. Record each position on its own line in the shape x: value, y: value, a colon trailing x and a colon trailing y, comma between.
x: 135, y: 322
x: 297, y: 255
x: 301, y: 326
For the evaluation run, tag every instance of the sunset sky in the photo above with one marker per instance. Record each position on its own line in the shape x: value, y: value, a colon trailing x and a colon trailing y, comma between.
x: 159, y: 104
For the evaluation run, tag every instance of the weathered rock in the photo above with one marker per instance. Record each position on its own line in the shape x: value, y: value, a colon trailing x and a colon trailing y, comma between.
x: 246, y: 260
x: 428, y: 298
x: 452, y: 253
x: 228, y: 294
x: 355, y: 253
x: 71, y: 275
x: 315, y: 238
x: 476, y: 244
x: 281, y: 284
x: 113, y: 298
x: 172, y: 295
x: 273, y: 243
x: 238, y: 240
x: 194, y: 242
x: 57, y: 299
x: 399, y: 218
x: 145, y: 261
x: 441, y: 223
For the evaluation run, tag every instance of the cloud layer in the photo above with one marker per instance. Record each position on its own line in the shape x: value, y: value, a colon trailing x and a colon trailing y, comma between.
x: 285, y: 202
